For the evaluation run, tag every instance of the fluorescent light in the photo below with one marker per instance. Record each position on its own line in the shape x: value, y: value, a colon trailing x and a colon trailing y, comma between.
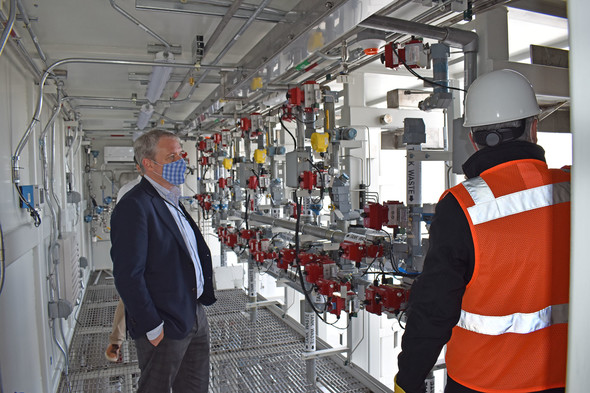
x: 159, y: 77
x: 145, y: 113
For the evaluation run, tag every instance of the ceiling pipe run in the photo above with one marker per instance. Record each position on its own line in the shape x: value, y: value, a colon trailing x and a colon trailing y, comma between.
x: 141, y: 25
x: 16, y: 41
x: 25, y: 18
x: 218, y: 30
x: 236, y: 37
x: 467, y: 41
x: 233, y: 41
x: 215, y: 9
x: 222, y: 25
x: 9, y: 25
x: 37, y: 114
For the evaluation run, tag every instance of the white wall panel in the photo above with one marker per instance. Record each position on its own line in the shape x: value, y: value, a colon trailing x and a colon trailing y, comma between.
x: 19, y: 324
x: 30, y: 360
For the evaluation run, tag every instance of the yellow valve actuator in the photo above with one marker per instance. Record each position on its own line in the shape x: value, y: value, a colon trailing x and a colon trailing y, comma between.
x: 315, y: 41
x: 227, y: 163
x: 256, y: 83
x: 260, y: 156
x: 320, y: 141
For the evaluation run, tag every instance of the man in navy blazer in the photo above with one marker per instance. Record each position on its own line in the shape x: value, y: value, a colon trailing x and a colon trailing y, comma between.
x: 163, y: 272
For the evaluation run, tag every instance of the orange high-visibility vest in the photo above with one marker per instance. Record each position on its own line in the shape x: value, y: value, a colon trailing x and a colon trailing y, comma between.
x: 512, y: 334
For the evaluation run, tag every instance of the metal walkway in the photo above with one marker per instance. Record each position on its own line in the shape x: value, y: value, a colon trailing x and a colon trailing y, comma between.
x: 260, y: 356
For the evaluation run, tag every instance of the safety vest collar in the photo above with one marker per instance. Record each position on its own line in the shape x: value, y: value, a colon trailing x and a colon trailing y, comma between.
x: 487, y: 207
x: 520, y: 323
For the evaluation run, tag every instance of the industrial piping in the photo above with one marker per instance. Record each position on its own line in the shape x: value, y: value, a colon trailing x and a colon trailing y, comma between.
x: 313, y: 230
x: 9, y: 25
x: 139, y: 24
x: 456, y: 38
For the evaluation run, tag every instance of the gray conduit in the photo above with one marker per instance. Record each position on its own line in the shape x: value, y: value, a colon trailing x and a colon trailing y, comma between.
x: 35, y: 119
x: 56, y: 249
x: 225, y: 49
x: 9, y: 25
x: 53, y: 249
x: 235, y: 39
x: 220, y: 27
x: 141, y: 25
x: 25, y: 18
x: 47, y: 175
x: 22, y: 51
x: 52, y: 180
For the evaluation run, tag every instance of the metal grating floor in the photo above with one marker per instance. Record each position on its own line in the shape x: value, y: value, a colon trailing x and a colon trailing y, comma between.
x: 260, y: 356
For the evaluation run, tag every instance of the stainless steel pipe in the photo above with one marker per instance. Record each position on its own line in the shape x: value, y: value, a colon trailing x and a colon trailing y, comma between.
x: 323, y: 233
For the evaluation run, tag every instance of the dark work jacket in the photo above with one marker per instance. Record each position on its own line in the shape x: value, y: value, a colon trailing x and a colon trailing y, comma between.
x: 435, y: 300
x: 154, y: 272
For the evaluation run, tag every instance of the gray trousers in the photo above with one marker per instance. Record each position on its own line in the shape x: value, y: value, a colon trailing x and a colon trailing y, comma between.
x: 180, y: 365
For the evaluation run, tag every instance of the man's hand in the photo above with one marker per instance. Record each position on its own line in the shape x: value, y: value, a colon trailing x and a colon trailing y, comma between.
x: 157, y: 340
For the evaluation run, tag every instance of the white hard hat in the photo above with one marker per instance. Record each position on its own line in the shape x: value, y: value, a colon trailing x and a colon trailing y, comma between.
x: 498, y: 97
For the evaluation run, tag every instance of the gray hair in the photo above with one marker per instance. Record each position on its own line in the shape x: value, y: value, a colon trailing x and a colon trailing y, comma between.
x: 145, y: 146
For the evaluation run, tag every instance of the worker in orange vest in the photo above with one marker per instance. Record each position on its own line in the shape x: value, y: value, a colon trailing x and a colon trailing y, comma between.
x: 495, y: 284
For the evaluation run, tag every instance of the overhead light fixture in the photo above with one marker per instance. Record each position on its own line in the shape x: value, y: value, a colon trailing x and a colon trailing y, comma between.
x: 145, y: 114
x: 159, y: 77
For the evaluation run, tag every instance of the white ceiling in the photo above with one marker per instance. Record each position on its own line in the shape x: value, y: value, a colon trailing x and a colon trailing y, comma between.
x: 95, y: 29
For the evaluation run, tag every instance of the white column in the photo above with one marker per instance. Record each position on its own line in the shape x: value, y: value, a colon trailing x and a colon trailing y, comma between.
x: 579, y: 339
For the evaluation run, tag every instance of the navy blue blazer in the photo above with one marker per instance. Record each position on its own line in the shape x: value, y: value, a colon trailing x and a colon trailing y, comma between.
x: 154, y: 273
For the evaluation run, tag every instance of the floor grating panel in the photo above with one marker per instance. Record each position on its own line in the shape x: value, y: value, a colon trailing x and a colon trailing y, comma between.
x: 261, y: 356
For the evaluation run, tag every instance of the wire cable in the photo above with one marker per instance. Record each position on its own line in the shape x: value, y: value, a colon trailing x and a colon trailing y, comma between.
x: 300, y: 273
x: 369, y: 267
x: 420, y: 76
x: 397, y: 271
x: 289, y: 132
x: 246, y: 215
x: 321, y: 179
x: 307, y: 122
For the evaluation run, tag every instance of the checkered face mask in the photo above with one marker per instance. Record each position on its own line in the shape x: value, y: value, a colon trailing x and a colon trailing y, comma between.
x: 173, y: 172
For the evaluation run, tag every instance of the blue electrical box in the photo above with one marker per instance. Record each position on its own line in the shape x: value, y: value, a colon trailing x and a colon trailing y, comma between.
x: 33, y: 195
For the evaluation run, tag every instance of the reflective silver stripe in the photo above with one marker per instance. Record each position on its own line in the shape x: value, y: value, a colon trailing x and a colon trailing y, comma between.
x: 515, y: 323
x: 487, y: 210
x: 479, y: 190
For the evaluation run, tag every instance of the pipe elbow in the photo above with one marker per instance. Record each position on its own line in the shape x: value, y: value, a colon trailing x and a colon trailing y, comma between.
x: 467, y: 40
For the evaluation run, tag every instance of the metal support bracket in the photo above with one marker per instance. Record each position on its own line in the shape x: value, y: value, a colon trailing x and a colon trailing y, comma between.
x: 262, y: 304
x: 323, y: 353
x: 430, y: 155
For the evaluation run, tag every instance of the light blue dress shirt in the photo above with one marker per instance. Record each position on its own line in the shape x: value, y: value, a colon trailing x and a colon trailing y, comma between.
x: 172, y: 198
